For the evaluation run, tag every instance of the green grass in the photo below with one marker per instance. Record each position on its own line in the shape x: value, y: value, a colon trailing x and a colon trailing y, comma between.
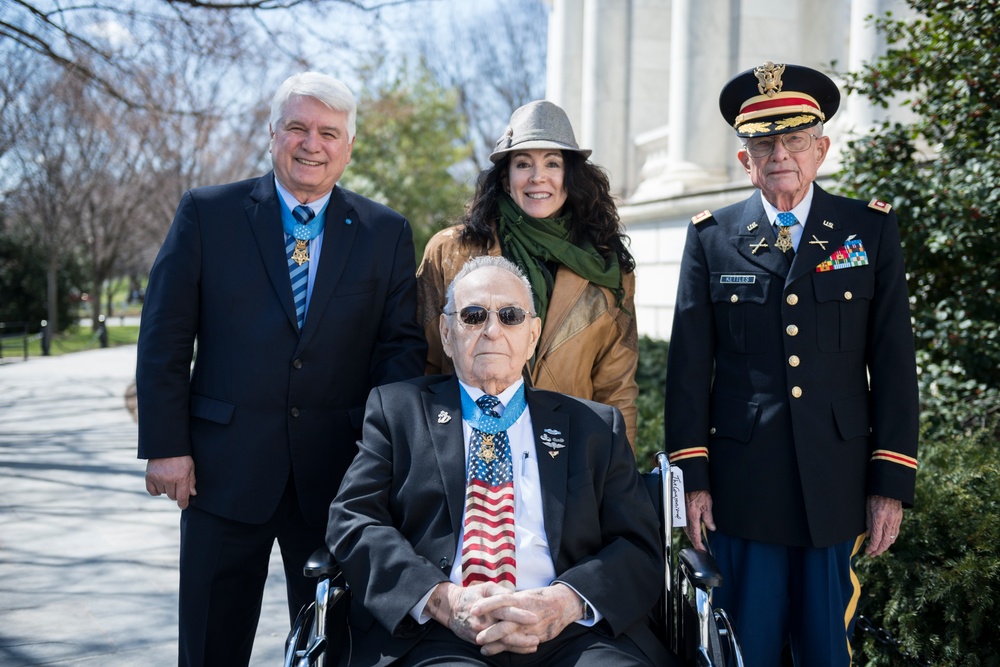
x: 75, y: 339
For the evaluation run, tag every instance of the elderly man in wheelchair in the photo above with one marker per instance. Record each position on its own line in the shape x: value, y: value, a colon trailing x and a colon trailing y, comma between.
x: 487, y: 523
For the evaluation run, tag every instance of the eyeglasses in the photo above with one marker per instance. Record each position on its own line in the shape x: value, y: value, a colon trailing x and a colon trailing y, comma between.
x: 476, y: 316
x: 794, y: 142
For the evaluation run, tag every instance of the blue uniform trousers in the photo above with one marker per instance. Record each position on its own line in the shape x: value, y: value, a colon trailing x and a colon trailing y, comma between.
x: 775, y: 594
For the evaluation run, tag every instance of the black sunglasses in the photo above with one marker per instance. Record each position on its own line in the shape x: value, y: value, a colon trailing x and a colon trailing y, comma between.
x: 476, y: 316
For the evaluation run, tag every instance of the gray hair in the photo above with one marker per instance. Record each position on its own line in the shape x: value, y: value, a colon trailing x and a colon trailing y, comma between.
x: 482, y: 262
x: 328, y: 90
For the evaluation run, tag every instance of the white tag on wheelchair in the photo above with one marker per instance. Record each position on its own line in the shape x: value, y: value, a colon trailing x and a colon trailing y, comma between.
x: 677, y: 504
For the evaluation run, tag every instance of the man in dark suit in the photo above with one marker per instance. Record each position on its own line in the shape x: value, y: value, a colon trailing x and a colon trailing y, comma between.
x: 791, y: 383
x: 572, y: 580
x: 293, y: 328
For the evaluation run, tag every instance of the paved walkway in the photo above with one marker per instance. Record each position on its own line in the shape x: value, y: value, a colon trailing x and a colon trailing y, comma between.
x: 88, y: 560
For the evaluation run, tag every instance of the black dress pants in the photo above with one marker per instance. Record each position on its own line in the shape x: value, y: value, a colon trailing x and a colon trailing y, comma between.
x: 223, y: 568
x: 576, y: 646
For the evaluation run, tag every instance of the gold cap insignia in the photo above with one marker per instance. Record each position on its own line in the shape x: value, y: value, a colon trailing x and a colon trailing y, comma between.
x: 769, y: 78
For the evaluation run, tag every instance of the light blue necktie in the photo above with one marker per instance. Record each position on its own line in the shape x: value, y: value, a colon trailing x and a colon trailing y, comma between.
x: 299, y: 273
x: 784, y: 223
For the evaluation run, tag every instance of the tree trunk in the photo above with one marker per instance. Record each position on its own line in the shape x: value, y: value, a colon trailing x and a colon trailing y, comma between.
x: 96, y: 299
x: 53, y: 294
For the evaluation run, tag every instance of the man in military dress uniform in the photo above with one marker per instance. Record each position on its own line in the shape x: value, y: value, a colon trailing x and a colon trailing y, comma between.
x: 791, y: 381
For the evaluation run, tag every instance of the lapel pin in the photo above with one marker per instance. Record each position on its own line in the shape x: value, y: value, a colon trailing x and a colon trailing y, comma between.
x: 755, y: 247
x: 550, y: 437
x: 752, y: 226
x: 443, y: 417
x: 816, y: 241
x: 348, y: 221
x: 827, y: 223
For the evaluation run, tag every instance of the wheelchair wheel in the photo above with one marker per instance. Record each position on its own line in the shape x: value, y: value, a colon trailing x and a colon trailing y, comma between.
x: 721, y: 648
x: 729, y: 645
x: 717, y: 647
x: 303, y: 648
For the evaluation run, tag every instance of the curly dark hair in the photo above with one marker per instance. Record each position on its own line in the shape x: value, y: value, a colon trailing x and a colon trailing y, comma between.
x: 589, y: 202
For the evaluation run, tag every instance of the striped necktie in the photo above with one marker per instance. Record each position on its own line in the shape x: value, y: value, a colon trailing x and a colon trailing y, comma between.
x: 299, y: 272
x: 488, y: 541
x: 784, y: 222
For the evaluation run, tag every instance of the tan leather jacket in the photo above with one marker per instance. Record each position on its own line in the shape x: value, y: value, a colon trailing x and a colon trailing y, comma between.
x: 589, y: 347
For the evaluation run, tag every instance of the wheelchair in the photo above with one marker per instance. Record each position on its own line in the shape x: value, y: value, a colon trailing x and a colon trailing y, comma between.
x: 684, y: 619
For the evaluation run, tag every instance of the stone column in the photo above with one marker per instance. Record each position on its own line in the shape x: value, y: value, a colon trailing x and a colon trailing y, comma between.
x: 863, y: 48
x: 604, y: 93
x: 564, y: 64
x: 697, y: 135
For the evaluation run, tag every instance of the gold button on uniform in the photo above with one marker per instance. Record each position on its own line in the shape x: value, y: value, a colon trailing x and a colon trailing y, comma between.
x: 793, y: 361
x: 848, y: 296
x: 797, y: 392
x: 792, y: 330
x: 734, y: 298
x: 792, y: 299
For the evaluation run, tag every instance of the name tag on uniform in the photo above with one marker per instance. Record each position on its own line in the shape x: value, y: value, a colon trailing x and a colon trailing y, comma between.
x: 738, y: 279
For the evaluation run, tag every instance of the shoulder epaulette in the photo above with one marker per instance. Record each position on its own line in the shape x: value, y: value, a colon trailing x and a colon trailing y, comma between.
x: 701, y: 217
x: 880, y: 206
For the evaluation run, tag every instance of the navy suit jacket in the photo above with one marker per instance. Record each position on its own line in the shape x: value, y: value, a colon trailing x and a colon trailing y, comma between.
x: 263, y: 400
x: 792, y: 391
x: 395, y: 523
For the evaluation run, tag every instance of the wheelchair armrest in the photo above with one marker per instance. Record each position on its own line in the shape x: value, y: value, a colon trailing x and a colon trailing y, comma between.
x: 700, y: 568
x: 321, y: 564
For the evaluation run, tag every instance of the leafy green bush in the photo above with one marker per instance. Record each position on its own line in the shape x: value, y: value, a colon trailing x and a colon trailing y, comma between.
x: 650, y: 376
x: 940, y: 170
x: 23, y: 283
x: 937, y: 591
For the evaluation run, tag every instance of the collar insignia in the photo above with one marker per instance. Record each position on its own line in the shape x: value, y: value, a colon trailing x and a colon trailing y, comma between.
x: 816, y: 241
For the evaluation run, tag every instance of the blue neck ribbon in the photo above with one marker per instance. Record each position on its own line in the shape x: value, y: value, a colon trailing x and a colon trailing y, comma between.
x: 488, y: 423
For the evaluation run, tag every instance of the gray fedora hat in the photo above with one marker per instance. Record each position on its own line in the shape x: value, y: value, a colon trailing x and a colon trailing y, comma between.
x: 538, y: 124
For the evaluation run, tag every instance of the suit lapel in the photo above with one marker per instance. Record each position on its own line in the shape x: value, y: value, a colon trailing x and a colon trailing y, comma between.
x: 338, y: 241
x: 264, y: 216
x: 754, y: 238
x: 551, y: 429
x: 824, y: 225
x: 443, y: 415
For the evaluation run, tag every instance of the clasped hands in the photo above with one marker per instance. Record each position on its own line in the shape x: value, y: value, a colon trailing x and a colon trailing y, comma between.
x: 498, y: 619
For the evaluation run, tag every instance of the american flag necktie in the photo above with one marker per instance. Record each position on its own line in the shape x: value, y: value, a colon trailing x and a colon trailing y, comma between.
x: 488, y: 542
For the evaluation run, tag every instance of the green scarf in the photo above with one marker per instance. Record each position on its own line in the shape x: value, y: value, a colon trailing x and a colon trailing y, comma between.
x: 531, y: 242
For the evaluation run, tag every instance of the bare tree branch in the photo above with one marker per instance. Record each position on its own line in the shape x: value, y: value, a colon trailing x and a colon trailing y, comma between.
x: 108, y: 44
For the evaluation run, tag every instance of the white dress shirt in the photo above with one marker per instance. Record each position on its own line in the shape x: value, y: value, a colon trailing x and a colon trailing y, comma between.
x: 801, y: 212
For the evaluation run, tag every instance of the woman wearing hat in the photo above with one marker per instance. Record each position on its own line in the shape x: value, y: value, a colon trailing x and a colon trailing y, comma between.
x: 550, y: 211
